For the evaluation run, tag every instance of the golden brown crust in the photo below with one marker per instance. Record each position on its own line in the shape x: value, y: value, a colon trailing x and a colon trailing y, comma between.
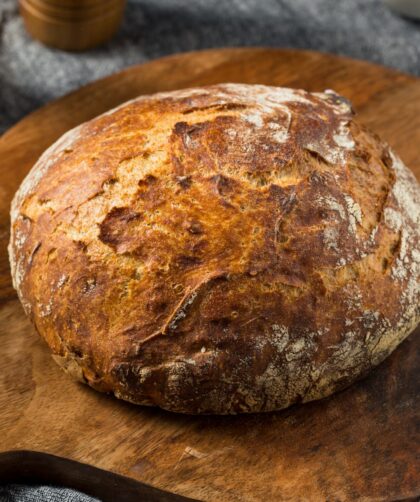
x: 219, y: 250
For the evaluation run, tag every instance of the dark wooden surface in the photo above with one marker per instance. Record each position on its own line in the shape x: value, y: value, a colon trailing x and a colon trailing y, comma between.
x: 361, y: 444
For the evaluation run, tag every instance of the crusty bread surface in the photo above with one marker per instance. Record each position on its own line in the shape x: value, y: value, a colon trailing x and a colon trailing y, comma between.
x: 226, y: 249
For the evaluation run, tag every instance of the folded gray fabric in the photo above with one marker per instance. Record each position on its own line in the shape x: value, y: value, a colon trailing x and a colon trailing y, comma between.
x: 21, y: 493
x: 31, y: 74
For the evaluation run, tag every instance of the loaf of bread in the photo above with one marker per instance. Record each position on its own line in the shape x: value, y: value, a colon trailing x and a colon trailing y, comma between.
x: 225, y: 249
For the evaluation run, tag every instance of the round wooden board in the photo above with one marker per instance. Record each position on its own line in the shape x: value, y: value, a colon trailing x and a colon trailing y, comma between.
x: 361, y: 444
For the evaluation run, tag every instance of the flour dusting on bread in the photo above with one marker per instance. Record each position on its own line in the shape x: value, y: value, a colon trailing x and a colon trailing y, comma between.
x: 226, y: 249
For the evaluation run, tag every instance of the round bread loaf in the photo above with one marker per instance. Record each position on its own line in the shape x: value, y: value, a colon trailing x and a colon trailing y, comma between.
x: 224, y: 249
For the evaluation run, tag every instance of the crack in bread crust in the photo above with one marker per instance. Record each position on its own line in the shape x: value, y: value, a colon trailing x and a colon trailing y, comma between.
x: 219, y: 250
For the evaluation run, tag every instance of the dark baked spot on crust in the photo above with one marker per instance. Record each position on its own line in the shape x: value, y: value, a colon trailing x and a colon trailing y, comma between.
x: 184, y: 181
x: 337, y: 99
x: 81, y: 245
x: 194, y: 227
x: 386, y: 265
x: 87, y: 284
x: 221, y: 323
x: 148, y: 180
x: 185, y: 130
x: 215, y: 108
x: 394, y: 249
x: 315, y: 155
x: 362, y: 154
x: 222, y: 184
x: 386, y: 157
x: 118, y: 229
x: 51, y: 254
x: 109, y: 182
x: 185, y: 261
x: 33, y: 253
x: 151, y: 192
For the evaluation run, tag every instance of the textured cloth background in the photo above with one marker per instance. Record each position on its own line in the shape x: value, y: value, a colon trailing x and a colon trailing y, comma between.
x: 31, y: 74
x: 20, y: 493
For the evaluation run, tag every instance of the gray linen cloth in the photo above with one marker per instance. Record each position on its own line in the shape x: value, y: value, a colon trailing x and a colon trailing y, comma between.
x: 31, y: 74
x: 22, y: 493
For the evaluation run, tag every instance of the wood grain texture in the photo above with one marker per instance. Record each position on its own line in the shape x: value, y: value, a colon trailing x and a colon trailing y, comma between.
x: 361, y: 444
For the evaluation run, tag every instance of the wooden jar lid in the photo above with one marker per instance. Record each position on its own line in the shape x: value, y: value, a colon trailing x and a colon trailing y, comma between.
x: 73, y: 25
x: 84, y: 10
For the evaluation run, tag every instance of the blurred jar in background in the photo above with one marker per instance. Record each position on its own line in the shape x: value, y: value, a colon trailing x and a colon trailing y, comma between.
x: 72, y: 25
x: 410, y: 8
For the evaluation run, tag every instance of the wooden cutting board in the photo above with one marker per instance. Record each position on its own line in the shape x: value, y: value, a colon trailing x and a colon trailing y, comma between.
x: 361, y: 444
